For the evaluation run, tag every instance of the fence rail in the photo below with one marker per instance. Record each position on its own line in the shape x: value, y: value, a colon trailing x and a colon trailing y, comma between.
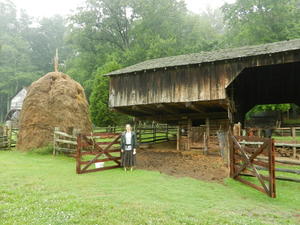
x: 63, y: 142
x: 278, y: 162
x: 8, y: 137
x: 287, y: 139
x: 104, y: 149
x: 153, y: 133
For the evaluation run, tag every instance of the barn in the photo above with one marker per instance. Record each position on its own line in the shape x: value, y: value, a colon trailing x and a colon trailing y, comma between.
x: 207, y: 92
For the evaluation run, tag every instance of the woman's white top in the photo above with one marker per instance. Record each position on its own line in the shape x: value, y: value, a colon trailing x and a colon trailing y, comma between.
x: 128, y: 145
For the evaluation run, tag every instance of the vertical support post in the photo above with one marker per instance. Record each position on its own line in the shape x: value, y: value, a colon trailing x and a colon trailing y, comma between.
x: 232, y: 158
x: 178, y: 138
x: 244, y: 133
x: 294, y: 139
x: 140, y: 134
x: 167, y: 132
x: 54, y: 140
x: 189, y: 131
x: 78, y: 155
x: 227, y: 148
x: 9, y: 135
x: 259, y: 132
x: 75, y: 133
x: 154, y: 133
x: 207, y: 123
x: 205, y: 143
x: 272, y: 187
x: 134, y: 124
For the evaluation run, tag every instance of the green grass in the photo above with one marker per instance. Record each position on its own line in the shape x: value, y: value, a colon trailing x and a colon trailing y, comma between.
x: 286, y: 138
x: 292, y: 121
x: 41, y: 189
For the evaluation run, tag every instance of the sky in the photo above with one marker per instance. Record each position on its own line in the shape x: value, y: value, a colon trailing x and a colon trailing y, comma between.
x: 47, y: 8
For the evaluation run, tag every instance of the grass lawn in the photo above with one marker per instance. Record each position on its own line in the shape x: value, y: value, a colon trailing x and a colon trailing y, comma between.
x: 41, y: 189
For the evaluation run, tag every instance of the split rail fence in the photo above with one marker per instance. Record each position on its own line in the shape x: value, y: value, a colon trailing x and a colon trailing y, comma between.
x: 8, y: 137
x: 63, y: 142
x: 287, y: 139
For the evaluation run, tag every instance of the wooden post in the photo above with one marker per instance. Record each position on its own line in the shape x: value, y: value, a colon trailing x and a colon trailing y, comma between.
x: 154, y: 133
x: 134, y: 124
x: 294, y: 138
x: 178, y: 137
x: 272, y: 187
x: 140, y: 134
x: 244, y: 133
x: 189, y: 131
x: 78, y: 155
x: 9, y: 134
x: 167, y: 132
x: 259, y: 132
x: 231, y: 154
x: 54, y: 140
x: 207, y: 131
x: 205, y: 143
x: 227, y: 148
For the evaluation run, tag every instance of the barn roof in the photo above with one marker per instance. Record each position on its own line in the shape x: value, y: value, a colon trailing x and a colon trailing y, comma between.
x: 204, y: 57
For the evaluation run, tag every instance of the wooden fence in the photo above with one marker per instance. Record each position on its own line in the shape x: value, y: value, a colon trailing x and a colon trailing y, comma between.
x: 283, y: 165
x: 63, y: 142
x: 244, y: 161
x: 146, y: 133
x: 287, y: 139
x: 8, y: 137
x: 156, y: 134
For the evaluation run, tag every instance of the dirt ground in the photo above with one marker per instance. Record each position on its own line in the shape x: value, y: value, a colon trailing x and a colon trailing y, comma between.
x: 166, y: 159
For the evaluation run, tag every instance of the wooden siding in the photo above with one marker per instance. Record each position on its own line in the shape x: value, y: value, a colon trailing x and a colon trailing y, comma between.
x: 193, y: 83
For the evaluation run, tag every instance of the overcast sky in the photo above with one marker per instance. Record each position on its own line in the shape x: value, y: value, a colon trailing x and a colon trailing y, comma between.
x: 46, y: 8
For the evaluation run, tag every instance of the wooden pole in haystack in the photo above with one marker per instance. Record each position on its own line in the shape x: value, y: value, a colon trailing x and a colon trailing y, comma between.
x: 56, y: 61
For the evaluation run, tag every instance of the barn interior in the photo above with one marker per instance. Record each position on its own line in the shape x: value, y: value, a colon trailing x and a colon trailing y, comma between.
x: 272, y: 84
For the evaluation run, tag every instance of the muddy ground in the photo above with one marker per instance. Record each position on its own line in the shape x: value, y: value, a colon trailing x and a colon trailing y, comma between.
x: 166, y: 159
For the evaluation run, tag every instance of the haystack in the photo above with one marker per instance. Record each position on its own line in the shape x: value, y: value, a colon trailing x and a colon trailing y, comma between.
x: 55, y: 100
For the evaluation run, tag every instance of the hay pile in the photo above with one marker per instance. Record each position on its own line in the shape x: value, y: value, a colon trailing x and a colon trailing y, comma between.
x: 55, y: 100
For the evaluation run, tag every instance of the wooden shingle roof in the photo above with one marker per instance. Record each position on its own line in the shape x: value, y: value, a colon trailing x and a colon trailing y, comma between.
x: 212, y: 56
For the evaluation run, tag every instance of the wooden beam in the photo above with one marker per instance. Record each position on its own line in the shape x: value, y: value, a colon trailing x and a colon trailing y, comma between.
x: 166, y: 108
x: 140, y: 109
x: 128, y: 111
x: 194, y: 107
x: 184, y: 116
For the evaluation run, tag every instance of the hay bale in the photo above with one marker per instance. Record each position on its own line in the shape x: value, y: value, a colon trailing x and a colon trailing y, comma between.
x: 55, y: 100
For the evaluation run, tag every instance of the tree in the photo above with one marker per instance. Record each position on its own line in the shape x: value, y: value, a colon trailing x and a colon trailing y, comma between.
x: 16, y: 69
x: 44, y: 40
x: 133, y: 31
x: 100, y: 112
x: 261, y: 21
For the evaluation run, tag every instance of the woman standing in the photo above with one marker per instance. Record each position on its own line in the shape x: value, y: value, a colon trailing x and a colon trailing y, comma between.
x: 128, y: 148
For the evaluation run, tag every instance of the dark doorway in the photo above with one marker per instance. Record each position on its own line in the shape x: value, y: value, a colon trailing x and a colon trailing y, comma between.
x: 274, y: 84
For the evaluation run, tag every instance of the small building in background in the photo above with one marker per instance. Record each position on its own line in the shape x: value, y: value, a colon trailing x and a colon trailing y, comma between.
x: 16, y: 103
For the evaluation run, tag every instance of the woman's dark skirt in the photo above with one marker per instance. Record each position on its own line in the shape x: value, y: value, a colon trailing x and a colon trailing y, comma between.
x: 128, y: 159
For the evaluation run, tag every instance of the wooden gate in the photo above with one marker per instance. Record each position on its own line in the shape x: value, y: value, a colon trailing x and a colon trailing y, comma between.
x: 245, y: 160
x: 96, y: 148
